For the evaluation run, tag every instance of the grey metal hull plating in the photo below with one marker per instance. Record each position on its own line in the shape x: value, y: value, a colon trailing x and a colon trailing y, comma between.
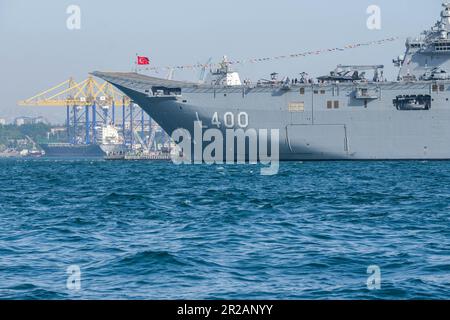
x: 358, y: 129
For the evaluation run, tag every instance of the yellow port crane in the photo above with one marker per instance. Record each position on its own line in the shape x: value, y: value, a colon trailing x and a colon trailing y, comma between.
x: 84, y: 93
x: 87, y: 109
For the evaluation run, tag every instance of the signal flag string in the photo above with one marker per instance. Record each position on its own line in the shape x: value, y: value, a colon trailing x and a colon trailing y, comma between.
x: 265, y: 59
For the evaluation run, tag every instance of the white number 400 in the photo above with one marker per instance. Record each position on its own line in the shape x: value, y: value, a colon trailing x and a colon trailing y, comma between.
x: 229, y: 120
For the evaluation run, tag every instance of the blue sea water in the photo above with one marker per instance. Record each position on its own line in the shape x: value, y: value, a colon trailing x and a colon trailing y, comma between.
x: 154, y: 230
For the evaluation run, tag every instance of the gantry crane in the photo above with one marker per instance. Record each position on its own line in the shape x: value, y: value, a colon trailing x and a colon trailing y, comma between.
x: 86, y: 102
x: 85, y: 93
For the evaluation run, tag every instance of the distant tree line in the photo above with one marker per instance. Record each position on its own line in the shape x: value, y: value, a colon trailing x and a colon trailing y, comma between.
x: 39, y: 132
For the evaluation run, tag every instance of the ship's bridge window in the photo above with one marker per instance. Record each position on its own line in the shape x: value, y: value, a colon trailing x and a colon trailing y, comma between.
x: 442, y: 46
x: 302, y: 90
x: 434, y: 88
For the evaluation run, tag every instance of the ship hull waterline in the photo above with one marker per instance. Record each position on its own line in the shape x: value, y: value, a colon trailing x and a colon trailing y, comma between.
x: 358, y: 129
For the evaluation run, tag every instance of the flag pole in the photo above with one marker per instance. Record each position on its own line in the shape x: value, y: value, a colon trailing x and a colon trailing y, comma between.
x: 136, y: 64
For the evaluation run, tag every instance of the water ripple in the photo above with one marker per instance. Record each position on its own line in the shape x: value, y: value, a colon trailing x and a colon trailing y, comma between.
x: 153, y: 230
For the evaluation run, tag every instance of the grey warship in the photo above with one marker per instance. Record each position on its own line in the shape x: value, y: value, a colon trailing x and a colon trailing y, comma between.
x: 345, y: 115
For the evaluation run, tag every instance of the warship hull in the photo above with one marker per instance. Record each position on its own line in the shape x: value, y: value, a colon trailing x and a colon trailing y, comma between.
x: 334, y: 122
x: 340, y: 116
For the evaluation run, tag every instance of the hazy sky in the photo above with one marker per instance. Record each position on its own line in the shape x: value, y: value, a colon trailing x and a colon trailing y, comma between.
x: 37, y: 50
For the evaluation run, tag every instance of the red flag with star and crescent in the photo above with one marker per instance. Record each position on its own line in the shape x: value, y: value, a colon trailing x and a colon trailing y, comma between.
x: 143, y: 60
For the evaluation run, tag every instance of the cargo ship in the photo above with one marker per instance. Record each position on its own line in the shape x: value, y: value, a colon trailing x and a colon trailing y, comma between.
x: 73, y: 150
x: 108, y: 139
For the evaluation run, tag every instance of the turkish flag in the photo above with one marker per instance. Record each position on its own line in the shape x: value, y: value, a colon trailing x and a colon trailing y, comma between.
x: 143, y: 60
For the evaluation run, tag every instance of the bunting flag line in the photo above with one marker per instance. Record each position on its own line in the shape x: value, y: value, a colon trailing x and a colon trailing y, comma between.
x: 294, y: 55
